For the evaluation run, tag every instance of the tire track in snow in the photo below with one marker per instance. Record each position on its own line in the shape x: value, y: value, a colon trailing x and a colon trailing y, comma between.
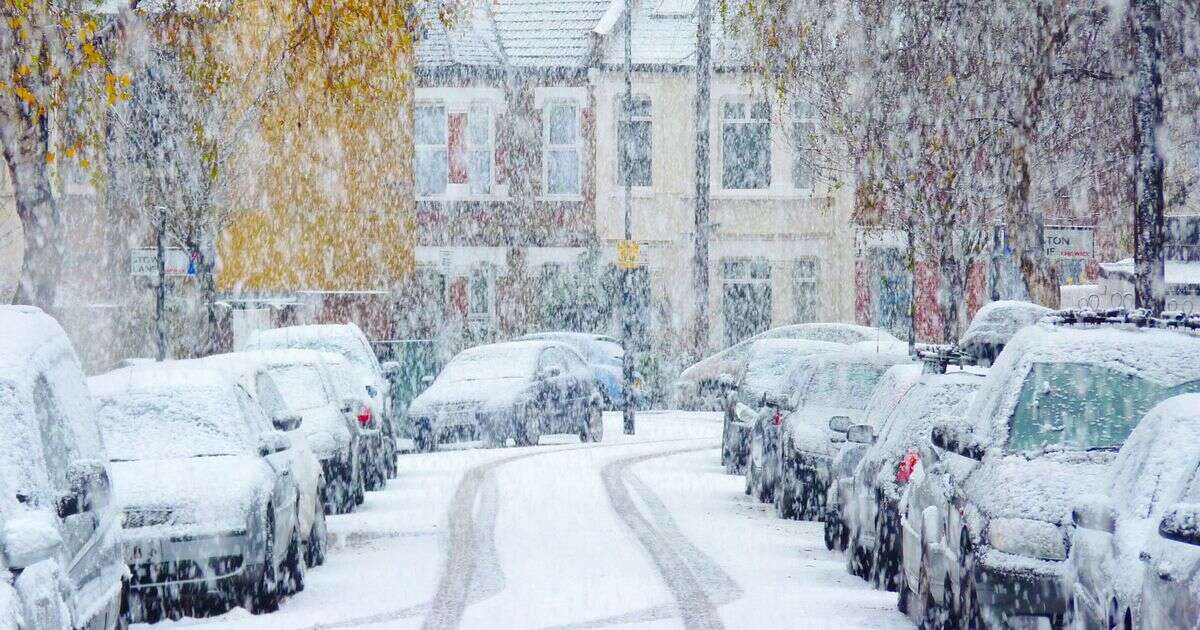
x: 697, y: 583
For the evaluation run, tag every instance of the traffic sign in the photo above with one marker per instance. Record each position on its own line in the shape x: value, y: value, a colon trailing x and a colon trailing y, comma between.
x: 628, y: 255
x: 143, y: 261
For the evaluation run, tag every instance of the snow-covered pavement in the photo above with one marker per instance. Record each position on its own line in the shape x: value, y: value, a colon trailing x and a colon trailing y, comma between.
x: 640, y: 531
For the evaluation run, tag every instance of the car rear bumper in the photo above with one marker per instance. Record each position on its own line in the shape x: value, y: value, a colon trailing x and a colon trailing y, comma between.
x: 155, y: 562
x: 1023, y: 592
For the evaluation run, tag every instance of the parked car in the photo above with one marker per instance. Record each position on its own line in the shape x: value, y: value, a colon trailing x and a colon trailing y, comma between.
x: 61, y: 563
x: 1149, y: 477
x: 604, y: 355
x: 873, y: 520
x: 376, y: 449
x: 762, y: 385
x: 308, y: 390
x: 518, y: 389
x: 1056, y: 405
x: 994, y: 324
x: 705, y: 384
x: 839, y: 387
x: 316, y: 500
x: 211, y: 507
x: 890, y: 390
x: 350, y: 342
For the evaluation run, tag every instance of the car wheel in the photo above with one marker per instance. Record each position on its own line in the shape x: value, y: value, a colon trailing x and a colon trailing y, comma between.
x: 786, y: 501
x: 833, y: 526
x: 318, y: 538
x: 389, y: 458
x: 749, y: 478
x: 858, y: 563
x: 292, y: 578
x: 264, y: 594
x: 593, y: 431
x: 360, y: 487
x: 529, y: 429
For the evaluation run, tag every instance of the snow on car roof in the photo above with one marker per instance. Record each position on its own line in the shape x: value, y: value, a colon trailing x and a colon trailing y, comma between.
x: 998, y: 321
x: 281, y: 356
x: 24, y: 330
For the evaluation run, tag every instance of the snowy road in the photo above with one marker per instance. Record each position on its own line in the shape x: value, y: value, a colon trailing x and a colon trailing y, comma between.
x: 640, y: 531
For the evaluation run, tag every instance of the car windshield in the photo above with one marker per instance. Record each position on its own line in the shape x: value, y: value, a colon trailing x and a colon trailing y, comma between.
x: 482, y: 364
x: 172, y: 423
x: 1084, y: 406
x: 301, y: 386
x: 768, y: 371
x: 847, y: 385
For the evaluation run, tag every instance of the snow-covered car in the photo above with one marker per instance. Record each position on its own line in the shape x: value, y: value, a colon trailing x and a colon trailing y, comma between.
x: 368, y: 376
x: 1149, y: 477
x: 1040, y: 433
x: 889, y: 391
x: 705, y: 384
x: 518, y: 389
x: 994, y: 324
x: 873, y: 517
x: 604, y: 355
x: 763, y: 384
x: 61, y: 564
x: 839, y: 387
x: 377, y: 451
x: 209, y: 497
x: 308, y: 390
x: 255, y: 378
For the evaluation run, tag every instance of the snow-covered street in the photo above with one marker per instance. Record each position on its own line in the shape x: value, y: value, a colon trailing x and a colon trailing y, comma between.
x: 640, y: 531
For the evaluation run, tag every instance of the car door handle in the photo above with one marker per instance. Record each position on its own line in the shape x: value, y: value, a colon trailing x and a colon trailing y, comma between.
x: 286, y: 472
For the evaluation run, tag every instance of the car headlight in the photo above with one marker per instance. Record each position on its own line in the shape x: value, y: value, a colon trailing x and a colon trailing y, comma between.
x: 1027, y: 537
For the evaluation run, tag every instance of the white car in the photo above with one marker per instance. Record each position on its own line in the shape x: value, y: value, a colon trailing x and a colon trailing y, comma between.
x: 1149, y: 478
x: 211, y: 508
x: 61, y: 564
x: 368, y: 375
x: 255, y: 378
x: 308, y: 389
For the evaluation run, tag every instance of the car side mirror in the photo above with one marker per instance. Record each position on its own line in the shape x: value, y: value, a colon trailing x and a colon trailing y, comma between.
x: 90, y: 488
x: 948, y: 437
x: 30, y: 538
x: 287, y: 421
x: 1095, y: 513
x: 391, y: 369
x: 841, y: 424
x: 1181, y: 522
x: 349, y: 405
x: 271, y: 442
x: 777, y: 401
x: 861, y: 434
x: 427, y: 380
x: 549, y: 372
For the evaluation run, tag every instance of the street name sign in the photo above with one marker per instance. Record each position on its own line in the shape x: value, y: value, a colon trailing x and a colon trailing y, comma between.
x: 1070, y: 242
x: 628, y: 254
x: 143, y: 261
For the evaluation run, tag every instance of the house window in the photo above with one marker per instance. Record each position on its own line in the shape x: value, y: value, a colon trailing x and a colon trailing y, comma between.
x: 804, y: 129
x: 805, y: 288
x: 429, y: 136
x: 561, y: 147
x: 745, y: 144
x: 479, y: 292
x: 634, y: 141
x: 479, y: 150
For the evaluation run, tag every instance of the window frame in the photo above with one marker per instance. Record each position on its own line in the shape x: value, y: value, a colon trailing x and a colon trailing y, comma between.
x: 619, y: 119
x: 748, y: 101
x: 813, y: 279
x: 470, y: 148
x: 444, y: 146
x: 547, y: 147
x: 803, y: 112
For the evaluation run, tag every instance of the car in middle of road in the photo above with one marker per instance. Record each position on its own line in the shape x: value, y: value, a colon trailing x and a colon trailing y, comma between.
x: 517, y: 389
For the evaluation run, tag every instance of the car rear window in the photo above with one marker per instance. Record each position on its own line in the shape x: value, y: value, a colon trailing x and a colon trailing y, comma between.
x: 1085, y: 406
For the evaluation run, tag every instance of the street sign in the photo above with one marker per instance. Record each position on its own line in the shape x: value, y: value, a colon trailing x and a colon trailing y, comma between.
x: 1069, y: 242
x: 143, y: 261
x: 628, y: 255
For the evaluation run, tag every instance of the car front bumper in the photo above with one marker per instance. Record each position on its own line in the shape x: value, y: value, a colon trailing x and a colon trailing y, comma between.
x: 174, y: 560
x: 1022, y: 589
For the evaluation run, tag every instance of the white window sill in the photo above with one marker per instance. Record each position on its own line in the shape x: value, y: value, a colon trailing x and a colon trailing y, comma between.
x: 449, y: 198
x: 572, y: 198
x: 639, y: 192
x: 765, y: 193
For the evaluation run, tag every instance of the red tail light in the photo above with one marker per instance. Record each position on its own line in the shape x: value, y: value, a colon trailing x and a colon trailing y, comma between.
x: 777, y: 419
x: 907, y: 464
x: 364, y: 416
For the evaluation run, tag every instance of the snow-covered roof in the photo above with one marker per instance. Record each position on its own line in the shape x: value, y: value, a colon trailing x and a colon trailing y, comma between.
x: 1175, y: 272
x: 664, y: 34
x: 469, y: 40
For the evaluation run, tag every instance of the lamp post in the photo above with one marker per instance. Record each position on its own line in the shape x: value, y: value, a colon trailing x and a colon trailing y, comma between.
x: 626, y: 270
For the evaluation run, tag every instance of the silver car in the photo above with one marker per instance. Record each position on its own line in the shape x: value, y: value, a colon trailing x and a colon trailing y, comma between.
x: 1150, y: 477
x: 60, y: 532
x: 210, y: 501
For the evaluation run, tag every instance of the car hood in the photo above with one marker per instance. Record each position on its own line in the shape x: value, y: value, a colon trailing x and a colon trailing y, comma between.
x: 198, y: 490
x: 492, y: 393
x: 808, y: 428
x: 704, y: 369
x: 1041, y: 487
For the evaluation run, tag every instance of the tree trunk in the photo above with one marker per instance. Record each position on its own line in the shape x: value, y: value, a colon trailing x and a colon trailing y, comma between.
x: 1149, y: 281
x: 25, y: 149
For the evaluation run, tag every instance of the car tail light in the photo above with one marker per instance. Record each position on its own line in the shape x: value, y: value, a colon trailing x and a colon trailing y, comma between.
x: 364, y: 416
x: 907, y: 464
x: 777, y: 419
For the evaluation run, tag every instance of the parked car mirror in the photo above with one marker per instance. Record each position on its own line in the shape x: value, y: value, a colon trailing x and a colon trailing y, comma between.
x: 777, y: 401
x: 1095, y: 513
x: 549, y: 372
x: 861, y: 434
x: 89, y: 488
x: 30, y: 538
x: 350, y: 404
x: 841, y: 424
x: 947, y: 436
x: 287, y: 421
x: 270, y: 442
x: 391, y: 369
x: 1181, y: 522
x: 427, y: 380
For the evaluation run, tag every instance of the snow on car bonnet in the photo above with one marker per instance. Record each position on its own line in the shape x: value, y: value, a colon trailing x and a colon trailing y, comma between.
x: 167, y: 411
